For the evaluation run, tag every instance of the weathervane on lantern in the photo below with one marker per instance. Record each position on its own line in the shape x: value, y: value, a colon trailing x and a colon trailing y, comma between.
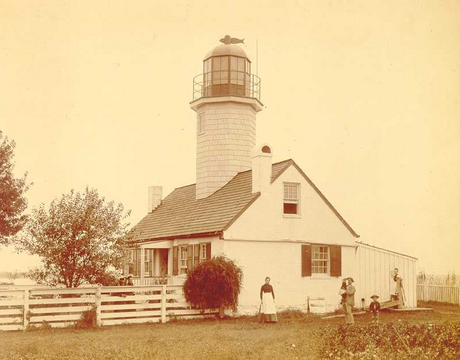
x: 227, y: 40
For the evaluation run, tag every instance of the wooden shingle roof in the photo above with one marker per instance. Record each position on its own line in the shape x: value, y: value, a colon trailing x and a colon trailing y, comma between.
x: 181, y: 215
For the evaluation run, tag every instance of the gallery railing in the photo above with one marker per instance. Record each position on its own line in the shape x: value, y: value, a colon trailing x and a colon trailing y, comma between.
x: 226, y: 83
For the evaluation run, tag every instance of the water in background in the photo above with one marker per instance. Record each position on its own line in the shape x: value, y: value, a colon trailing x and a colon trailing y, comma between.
x: 19, y: 281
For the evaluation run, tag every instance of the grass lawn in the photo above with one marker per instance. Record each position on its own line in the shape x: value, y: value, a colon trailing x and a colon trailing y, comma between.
x: 296, y: 336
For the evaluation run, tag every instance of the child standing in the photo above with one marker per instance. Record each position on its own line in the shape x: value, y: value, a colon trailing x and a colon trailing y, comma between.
x: 374, y: 307
x: 343, y: 293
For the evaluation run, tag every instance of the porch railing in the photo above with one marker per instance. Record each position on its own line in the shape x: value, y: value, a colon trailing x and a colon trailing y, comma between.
x: 153, y: 280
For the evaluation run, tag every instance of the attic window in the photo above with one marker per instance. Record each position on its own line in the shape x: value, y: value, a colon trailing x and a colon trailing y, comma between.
x: 291, y: 198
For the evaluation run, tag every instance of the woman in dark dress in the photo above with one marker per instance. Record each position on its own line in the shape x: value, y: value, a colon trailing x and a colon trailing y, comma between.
x: 267, y: 298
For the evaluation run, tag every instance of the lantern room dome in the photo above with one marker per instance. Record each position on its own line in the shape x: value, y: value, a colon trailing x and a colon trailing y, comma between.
x: 224, y: 49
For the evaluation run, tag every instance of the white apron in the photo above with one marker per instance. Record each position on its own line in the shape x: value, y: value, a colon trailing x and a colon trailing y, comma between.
x: 268, y: 306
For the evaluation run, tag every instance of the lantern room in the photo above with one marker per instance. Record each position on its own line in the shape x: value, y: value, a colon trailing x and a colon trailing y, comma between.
x: 226, y: 72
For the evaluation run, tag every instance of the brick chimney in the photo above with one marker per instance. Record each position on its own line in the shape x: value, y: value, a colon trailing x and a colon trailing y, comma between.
x: 155, y: 197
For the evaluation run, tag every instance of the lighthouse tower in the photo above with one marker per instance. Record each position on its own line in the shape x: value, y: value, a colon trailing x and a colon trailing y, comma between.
x: 226, y: 98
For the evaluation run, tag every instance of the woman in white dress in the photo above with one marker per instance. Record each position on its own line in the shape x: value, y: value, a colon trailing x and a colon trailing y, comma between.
x: 267, y: 298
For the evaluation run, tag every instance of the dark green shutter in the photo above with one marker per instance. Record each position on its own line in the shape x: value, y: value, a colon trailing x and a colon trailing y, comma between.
x: 175, y: 261
x: 196, y: 253
x: 336, y: 261
x: 138, y: 263
x: 306, y: 260
x: 208, y: 251
x: 189, y: 257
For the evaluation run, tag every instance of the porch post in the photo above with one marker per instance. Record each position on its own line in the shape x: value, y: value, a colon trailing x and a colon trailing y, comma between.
x: 142, y: 265
x: 156, y: 261
x: 170, y: 265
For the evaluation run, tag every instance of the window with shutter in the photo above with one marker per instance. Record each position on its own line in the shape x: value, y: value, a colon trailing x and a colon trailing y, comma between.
x: 208, y: 251
x: 134, y: 267
x: 148, y: 262
x: 202, y: 252
x: 336, y: 261
x: 183, y: 257
x: 196, y: 254
x: 306, y: 260
x: 175, y: 260
x: 189, y: 257
x: 320, y: 259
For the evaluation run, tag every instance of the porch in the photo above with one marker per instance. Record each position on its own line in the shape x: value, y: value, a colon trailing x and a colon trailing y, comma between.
x: 151, y: 264
x: 166, y: 262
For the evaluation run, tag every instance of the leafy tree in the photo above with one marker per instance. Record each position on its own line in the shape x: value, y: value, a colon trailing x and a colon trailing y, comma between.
x: 214, y: 284
x: 12, y: 200
x: 79, y: 239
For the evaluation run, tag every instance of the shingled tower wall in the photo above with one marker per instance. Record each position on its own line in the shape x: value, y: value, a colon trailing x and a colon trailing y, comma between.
x: 226, y: 100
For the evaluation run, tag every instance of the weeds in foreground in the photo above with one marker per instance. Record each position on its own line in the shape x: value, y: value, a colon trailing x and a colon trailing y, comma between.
x: 88, y: 319
x: 399, y: 341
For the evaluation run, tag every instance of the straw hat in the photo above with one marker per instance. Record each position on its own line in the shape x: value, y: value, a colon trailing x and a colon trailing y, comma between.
x: 374, y: 296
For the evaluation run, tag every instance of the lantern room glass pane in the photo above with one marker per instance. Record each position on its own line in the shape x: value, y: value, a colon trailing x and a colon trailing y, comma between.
x: 233, y: 63
x: 247, y: 85
x: 240, y: 78
x: 224, y: 63
x: 216, y: 64
x: 233, y: 77
x: 241, y: 64
x: 224, y: 77
x: 216, y: 77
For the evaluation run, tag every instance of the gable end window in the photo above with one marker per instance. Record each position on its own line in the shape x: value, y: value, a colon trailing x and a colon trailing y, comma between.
x: 321, y: 260
x: 291, y: 199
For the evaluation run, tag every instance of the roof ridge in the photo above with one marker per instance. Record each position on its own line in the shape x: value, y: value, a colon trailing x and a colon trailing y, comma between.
x: 180, y: 187
x: 277, y: 163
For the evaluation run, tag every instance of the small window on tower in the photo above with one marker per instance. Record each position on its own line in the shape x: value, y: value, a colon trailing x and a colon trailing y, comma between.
x: 201, y: 127
x: 291, y: 199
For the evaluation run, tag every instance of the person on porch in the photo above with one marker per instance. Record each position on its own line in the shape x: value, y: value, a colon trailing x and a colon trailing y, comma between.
x: 267, y: 298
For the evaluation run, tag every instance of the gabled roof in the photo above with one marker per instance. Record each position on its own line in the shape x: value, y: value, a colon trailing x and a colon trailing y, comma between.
x: 180, y: 215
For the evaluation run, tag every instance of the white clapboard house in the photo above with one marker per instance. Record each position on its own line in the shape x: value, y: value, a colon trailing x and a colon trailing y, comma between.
x: 268, y: 217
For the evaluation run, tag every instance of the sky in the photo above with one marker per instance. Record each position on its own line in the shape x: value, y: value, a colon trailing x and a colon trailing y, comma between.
x: 363, y: 95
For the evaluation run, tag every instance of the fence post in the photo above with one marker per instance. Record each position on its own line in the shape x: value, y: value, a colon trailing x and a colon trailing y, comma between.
x: 163, y: 304
x: 425, y: 290
x: 26, y: 309
x: 98, y: 305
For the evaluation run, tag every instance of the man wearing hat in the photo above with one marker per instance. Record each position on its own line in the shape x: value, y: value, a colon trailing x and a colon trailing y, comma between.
x: 350, y: 302
x: 374, y: 308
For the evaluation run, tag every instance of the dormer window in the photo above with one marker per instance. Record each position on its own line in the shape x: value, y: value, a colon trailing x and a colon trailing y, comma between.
x: 291, y: 200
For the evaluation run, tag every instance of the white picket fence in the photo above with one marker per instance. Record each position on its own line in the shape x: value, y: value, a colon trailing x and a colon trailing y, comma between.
x: 439, y: 293
x: 114, y: 305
